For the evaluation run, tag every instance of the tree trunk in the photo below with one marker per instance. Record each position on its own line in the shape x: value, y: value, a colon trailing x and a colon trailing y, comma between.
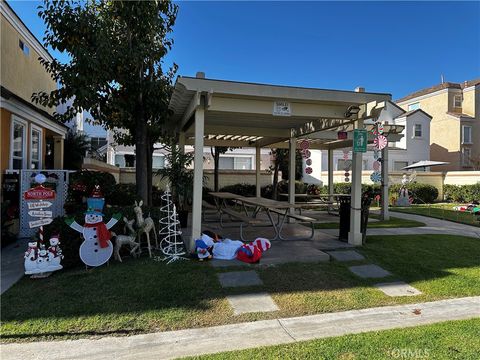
x: 141, y: 171
x: 275, y: 181
x: 149, y: 172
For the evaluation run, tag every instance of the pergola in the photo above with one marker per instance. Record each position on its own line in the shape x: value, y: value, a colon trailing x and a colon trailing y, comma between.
x: 225, y: 113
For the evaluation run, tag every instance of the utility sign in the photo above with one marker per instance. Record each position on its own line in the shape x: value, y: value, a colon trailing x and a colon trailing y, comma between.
x: 359, y: 140
x: 282, y: 108
x: 40, y: 213
x: 39, y: 205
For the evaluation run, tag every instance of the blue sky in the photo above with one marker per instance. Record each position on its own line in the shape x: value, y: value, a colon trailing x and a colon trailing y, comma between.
x: 393, y: 47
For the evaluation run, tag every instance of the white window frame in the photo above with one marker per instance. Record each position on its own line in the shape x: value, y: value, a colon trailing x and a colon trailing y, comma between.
x: 40, y: 144
x: 455, y: 97
x: 414, y: 131
x: 466, y: 161
x: 413, y: 104
x: 24, y: 123
x: 463, y: 134
x: 404, y: 162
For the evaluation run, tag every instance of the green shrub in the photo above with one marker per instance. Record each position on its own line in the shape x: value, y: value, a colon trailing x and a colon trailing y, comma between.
x: 421, y: 193
x: 462, y: 193
x: 300, y: 187
x: 91, y: 178
x: 240, y: 189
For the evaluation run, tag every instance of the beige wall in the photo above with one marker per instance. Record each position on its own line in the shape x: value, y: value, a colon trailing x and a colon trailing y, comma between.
x: 469, y: 102
x: 462, y: 177
x: 444, y: 129
x: 20, y: 73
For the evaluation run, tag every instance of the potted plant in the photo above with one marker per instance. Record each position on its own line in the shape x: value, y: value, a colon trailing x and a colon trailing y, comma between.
x: 177, y: 170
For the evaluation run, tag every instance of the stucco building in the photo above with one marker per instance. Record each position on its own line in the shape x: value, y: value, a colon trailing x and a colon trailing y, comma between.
x: 30, y: 138
x: 455, y: 125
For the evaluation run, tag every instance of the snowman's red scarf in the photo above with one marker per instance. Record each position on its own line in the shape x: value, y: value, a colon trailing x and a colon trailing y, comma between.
x: 103, y: 234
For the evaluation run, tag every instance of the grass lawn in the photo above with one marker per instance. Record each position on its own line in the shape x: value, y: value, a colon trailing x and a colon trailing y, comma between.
x: 448, y: 341
x: 441, y: 211
x: 394, y: 222
x: 146, y: 296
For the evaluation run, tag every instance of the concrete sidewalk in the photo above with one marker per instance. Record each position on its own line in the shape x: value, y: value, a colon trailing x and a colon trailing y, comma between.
x: 12, y: 264
x: 432, y: 226
x: 174, y: 344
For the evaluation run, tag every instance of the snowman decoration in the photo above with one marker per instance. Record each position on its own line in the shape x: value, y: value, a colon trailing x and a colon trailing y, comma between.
x: 96, y: 248
x: 55, y: 253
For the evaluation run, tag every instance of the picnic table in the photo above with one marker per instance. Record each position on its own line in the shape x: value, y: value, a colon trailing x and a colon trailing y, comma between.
x: 269, y: 206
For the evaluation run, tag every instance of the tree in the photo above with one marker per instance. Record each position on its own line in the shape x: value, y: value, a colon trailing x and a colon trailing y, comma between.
x: 75, y: 147
x: 116, y: 51
x: 280, y: 158
x: 216, y: 151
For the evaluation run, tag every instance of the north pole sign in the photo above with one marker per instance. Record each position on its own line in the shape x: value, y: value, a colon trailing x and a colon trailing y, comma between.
x: 39, y: 193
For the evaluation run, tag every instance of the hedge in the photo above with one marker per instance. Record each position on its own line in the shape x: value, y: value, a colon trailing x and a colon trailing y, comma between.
x: 421, y: 193
x: 462, y: 193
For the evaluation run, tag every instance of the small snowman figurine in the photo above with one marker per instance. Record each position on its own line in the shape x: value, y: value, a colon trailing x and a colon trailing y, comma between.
x: 42, y: 260
x: 97, y: 248
x: 31, y: 258
x: 55, y: 253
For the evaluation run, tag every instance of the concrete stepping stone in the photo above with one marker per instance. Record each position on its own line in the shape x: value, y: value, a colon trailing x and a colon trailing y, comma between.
x: 346, y: 255
x: 228, y: 263
x: 248, y: 303
x: 398, y: 288
x: 239, y: 278
x: 369, y: 271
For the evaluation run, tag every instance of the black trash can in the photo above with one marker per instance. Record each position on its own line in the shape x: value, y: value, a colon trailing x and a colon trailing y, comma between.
x: 344, y: 213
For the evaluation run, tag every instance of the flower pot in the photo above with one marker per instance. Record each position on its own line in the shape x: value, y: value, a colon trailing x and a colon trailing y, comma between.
x: 183, y: 218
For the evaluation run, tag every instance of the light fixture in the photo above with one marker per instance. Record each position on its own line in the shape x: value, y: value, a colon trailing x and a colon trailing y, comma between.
x: 352, y: 110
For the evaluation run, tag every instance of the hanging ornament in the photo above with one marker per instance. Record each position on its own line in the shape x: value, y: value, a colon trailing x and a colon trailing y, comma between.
x: 305, y: 144
x: 308, y: 170
x: 376, y: 177
x: 376, y: 165
x: 306, y: 153
x: 380, y: 142
x: 380, y: 129
x: 308, y: 162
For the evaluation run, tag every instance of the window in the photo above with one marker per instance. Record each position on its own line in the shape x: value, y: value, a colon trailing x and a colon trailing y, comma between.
x: 35, y: 147
x: 399, y: 165
x: 235, y: 163
x: 97, y: 142
x: 158, y: 162
x: 24, y: 47
x: 120, y: 161
x: 466, y: 134
x: 414, y: 106
x: 466, y: 156
x: 457, y: 101
x: 18, y: 147
x: 417, y: 130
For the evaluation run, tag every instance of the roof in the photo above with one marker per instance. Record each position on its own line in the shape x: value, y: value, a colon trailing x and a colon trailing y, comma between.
x: 411, y: 112
x: 7, y: 94
x: 460, y: 115
x: 445, y: 85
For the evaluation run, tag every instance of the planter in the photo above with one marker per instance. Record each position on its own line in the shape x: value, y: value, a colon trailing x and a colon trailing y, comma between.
x: 183, y: 218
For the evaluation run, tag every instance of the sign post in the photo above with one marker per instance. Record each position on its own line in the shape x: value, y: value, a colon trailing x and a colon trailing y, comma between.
x: 36, y: 257
x: 359, y: 140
